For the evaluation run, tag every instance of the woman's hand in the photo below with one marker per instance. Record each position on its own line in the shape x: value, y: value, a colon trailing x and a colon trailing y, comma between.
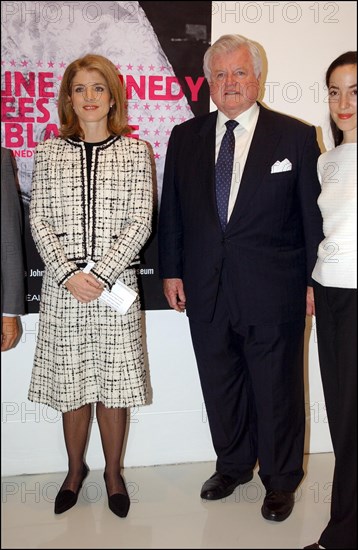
x: 84, y: 287
x: 310, y: 306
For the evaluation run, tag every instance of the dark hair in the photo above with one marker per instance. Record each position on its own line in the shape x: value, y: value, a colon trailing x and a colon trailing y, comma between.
x: 117, y: 116
x: 347, y: 58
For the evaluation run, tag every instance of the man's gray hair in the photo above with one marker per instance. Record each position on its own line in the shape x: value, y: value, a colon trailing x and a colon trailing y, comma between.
x: 227, y: 44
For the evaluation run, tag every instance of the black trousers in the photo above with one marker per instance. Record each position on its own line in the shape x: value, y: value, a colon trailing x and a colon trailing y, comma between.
x: 336, y: 318
x: 252, y: 383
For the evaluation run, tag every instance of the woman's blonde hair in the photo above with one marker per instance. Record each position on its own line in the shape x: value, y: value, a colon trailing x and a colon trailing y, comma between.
x: 117, y: 115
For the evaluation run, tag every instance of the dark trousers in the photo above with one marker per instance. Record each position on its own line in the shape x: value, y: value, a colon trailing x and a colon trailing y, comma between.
x: 252, y: 383
x: 336, y: 318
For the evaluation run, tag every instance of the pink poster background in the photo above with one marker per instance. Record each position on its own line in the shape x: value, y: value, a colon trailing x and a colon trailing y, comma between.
x: 157, y: 46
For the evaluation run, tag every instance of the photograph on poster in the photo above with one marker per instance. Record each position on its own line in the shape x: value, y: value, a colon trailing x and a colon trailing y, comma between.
x: 151, y: 45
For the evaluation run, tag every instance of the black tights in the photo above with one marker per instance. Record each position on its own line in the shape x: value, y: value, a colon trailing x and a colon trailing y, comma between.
x: 112, y: 426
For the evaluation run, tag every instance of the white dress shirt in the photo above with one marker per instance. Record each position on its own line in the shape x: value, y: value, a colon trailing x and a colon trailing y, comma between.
x: 243, y: 136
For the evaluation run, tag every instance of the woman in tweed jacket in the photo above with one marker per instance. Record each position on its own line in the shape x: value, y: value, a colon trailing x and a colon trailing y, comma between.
x: 91, y: 202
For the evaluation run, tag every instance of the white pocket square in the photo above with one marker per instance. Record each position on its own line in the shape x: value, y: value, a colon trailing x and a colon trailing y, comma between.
x: 281, y: 166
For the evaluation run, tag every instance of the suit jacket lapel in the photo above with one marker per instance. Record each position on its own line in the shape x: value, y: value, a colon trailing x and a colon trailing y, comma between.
x: 258, y: 163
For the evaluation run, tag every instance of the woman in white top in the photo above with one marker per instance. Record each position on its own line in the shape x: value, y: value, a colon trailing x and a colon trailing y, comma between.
x: 335, y: 291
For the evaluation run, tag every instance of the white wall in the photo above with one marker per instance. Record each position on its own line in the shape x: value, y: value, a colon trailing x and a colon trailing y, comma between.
x: 300, y: 40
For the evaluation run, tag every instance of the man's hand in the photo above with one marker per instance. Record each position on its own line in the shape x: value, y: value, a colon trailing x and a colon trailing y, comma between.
x: 84, y: 287
x: 174, y: 293
x: 10, y: 332
x: 310, y: 308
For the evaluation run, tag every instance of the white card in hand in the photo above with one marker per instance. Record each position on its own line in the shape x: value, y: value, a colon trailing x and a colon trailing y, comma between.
x: 120, y: 298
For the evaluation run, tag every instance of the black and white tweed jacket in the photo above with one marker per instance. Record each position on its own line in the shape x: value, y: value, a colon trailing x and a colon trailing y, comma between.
x: 107, y: 219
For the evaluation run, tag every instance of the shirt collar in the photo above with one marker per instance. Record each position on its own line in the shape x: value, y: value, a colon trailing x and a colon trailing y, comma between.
x: 246, y: 120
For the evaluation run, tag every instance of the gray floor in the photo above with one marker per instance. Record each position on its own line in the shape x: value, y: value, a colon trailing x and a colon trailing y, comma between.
x: 166, y: 511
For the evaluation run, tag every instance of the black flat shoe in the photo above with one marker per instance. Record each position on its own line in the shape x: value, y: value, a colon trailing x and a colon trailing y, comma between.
x: 118, y: 503
x: 66, y: 499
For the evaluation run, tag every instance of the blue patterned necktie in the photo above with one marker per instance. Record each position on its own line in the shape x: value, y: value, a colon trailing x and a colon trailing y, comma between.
x: 223, y: 171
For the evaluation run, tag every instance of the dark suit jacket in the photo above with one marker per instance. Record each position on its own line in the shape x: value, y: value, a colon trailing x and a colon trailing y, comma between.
x: 12, y: 268
x: 270, y: 244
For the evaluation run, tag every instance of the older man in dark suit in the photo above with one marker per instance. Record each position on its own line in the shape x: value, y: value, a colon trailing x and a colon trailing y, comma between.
x: 239, y: 228
x: 12, y: 268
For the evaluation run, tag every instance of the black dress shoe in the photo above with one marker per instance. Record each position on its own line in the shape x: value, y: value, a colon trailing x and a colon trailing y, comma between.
x: 220, y: 486
x: 277, y: 505
x: 118, y: 503
x: 66, y: 499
